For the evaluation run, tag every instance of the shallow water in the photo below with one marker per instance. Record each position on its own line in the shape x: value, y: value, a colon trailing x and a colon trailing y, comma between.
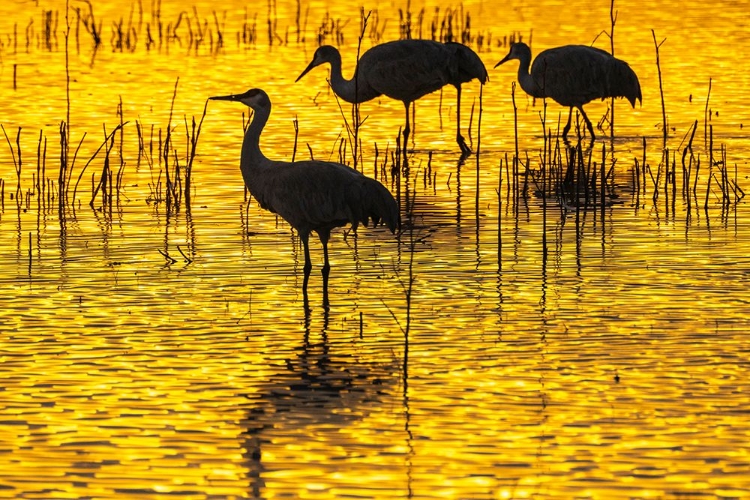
x: 496, y: 348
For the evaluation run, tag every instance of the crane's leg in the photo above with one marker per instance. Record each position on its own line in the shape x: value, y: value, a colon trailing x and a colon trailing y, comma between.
x: 306, y: 245
x: 304, y: 236
x: 324, y: 236
x: 407, y: 128
x: 567, y: 125
x: 588, y: 122
x: 465, y: 150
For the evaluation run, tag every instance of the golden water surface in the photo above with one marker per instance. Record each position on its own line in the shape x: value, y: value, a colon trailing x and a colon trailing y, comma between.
x: 499, y: 346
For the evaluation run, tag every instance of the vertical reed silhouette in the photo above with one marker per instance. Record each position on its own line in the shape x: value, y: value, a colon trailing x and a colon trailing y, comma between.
x: 661, y: 86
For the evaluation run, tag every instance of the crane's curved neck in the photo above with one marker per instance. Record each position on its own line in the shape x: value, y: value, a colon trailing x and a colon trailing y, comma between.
x: 527, y: 82
x: 251, y: 158
x: 353, y: 90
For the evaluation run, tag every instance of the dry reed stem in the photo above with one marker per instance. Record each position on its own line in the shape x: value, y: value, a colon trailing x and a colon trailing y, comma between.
x: 661, y: 85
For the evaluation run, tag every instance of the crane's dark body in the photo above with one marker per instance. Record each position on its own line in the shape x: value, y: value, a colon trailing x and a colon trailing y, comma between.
x: 310, y: 195
x: 574, y: 75
x: 404, y: 70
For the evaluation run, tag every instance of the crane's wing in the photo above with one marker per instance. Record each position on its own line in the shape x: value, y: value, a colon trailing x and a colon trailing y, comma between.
x: 573, y: 75
x: 317, y: 194
x: 406, y: 69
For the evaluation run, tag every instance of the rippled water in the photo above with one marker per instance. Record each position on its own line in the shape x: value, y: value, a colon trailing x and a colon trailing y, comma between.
x: 497, y: 347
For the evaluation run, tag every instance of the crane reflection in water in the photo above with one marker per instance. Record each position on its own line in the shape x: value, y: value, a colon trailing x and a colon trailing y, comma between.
x: 315, y: 391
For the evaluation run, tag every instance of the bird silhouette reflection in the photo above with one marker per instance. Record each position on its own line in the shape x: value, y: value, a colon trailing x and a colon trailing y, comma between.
x: 307, y: 395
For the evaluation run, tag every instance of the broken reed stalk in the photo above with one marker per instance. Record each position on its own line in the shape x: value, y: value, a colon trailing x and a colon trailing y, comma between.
x: 355, y: 107
x: 62, y: 172
x: 17, y: 163
x: 166, y: 151
x: 107, y: 138
x: 295, y: 122
x: 121, y: 169
x: 706, y: 115
x: 687, y: 169
x: 658, y: 176
x: 661, y: 85
x: 271, y: 22
x: 70, y: 167
x: 192, y: 136
x: 39, y: 174
x: 515, y: 136
x: 89, y: 22
x: 141, y: 141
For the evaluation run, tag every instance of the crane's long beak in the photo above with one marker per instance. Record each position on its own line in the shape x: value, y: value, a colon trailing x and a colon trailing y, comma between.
x: 231, y: 97
x: 307, y: 69
x: 504, y: 60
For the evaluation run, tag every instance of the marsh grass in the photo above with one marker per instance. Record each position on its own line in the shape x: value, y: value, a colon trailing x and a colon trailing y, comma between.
x: 194, y: 31
x: 568, y: 177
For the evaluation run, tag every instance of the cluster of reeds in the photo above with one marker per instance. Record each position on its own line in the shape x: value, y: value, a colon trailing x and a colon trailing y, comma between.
x: 188, y: 30
x: 62, y: 189
x: 171, y: 172
x: 447, y: 25
x: 567, y: 175
x: 193, y: 31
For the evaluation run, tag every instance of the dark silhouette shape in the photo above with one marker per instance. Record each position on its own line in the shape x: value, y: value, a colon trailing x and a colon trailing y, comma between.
x: 310, y: 195
x: 573, y: 75
x: 404, y: 70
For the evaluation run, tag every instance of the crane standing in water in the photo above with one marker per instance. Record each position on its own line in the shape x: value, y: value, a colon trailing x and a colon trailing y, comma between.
x: 404, y: 70
x: 310, y: 195
x: 573, y: 75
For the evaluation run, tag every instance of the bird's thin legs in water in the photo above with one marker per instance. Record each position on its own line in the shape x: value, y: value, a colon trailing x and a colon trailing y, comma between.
x: 306, y: 246
x: 585, y: 119
x: 567, y: 125
x: 407, y: 128
x: 588, y: 122
x: 465, y: 150
x: 324, y: 235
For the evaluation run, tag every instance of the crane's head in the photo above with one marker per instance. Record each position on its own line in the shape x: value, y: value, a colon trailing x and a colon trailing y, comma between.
x: 324, y: 54
x: 255, y: 98
x: 518, y: 50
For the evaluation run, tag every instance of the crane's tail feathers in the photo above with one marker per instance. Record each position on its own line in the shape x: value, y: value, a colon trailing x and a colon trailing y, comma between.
x: 471, y: 65
x: 624, y: 82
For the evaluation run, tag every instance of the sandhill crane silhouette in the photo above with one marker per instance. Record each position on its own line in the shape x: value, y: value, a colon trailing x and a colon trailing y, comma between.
x: 404, y: 70
x: 573, y: 75
x: 310, y: 195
